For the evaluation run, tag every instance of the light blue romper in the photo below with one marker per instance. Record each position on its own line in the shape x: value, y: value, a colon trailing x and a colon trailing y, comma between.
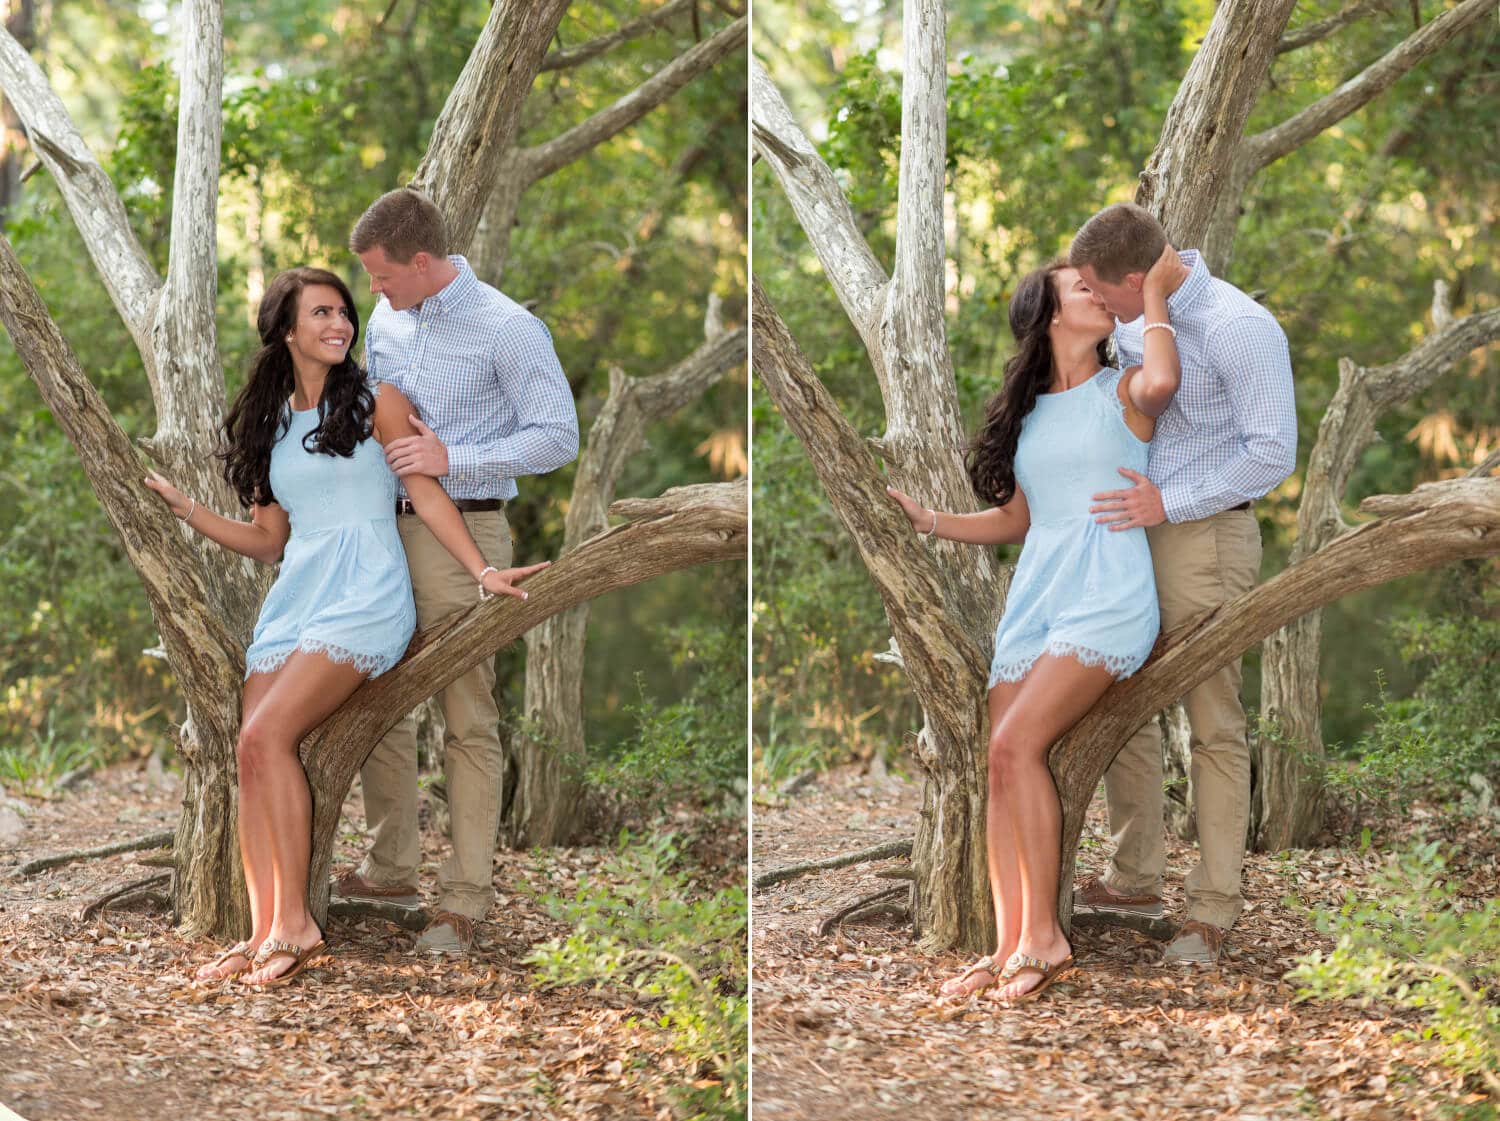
x: 1079, y: 588
x: 343, y: 589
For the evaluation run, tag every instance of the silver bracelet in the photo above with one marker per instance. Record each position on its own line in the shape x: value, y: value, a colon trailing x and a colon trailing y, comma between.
x: 931, y: 531
x: 1154, y: 326
x: 193, y: 509
x: 482, y: 593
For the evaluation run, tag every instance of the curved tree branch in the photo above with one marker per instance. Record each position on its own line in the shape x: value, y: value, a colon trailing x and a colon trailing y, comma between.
x: 1319, y: 30
x: 91, y: 198
x: 567, y: 57
x: 542, y: 160
x: 825, y: 215
x: 1270, y: 145
x: 205, y: 656
x: 685, y: 526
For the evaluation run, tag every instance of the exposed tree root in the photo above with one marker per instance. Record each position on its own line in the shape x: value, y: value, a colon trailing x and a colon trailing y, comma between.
x: 879, y: 852
x: 409, y: 918
x: 150, y: 841
x: 125, y: 891
x: 1163, y: 930
x: 860, y: 905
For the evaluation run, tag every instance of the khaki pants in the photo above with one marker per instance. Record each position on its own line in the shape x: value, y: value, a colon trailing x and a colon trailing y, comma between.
x: 1198, y: 566
x: 471, y: 744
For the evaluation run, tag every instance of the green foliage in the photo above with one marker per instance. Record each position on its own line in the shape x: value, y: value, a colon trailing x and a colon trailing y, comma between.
x: 644, y: 926
x: 1447, y: 730
x: 1410, y: 940
x: 692, y: 749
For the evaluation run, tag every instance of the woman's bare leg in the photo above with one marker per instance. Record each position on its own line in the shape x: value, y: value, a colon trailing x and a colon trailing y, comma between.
x: 1051, y: 699
x: 1004, y: 872
x: 300, y: 696
x: 254, y: 849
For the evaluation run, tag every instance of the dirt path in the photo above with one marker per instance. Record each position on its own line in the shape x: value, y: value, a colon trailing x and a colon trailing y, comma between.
x: 100, y: 1019
x: 847, y: 1026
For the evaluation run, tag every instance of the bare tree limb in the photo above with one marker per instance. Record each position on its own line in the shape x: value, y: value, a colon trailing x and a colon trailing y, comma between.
x: 1319, y: 30
x: 857, y: 277
x: 190, y: 402
x: 1485, y: 467
x: 1435, y: 524
x: 1270, y: 145
x: 91, y: 198
x: 886, y: 850
x: 849, y: 910
x: 936, y: 647
x: 683, y: 527
x: 149, y: 841
x: 567, y: 57
x: 203, y: 653
x: 478, y: 124
x: 114, y: 895
x: 1348, y: 425
x: 542, y: 160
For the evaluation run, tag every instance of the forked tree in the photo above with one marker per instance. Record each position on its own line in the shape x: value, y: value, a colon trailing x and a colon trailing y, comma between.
x: 203, y: 603
x: 942, y: 599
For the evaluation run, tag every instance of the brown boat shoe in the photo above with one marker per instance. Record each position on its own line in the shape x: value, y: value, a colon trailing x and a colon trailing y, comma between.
x: 353, y: 887
x: 1097, y: 897
x: 1197, y: 943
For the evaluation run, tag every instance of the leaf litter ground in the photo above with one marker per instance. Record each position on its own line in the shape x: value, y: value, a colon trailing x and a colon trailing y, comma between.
x: 100, y: 1019
x: 850, y: 1025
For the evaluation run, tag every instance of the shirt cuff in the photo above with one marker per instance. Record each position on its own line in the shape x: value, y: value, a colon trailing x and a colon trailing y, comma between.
x: 1177, y: 504
x: 463, y: 463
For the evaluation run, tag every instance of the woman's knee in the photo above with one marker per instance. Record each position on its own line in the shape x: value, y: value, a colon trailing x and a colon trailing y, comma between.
x: 256, y: 746
x: 1009, y: 754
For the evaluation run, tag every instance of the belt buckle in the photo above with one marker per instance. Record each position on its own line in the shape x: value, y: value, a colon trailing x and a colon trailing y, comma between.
x: 404, y: 506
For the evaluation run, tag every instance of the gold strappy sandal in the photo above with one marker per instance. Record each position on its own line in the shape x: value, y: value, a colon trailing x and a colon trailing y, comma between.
x: 1019, y: 963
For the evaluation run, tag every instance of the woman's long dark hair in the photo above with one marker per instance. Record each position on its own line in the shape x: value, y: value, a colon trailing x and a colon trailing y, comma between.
x: 260, y: 414
x: 991, y: 457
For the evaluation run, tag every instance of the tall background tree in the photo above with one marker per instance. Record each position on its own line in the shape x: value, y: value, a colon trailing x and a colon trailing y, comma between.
x: 1050, y: 114
x: 317, y: 109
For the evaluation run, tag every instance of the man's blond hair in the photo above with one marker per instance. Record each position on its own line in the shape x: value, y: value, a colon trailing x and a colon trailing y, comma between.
x: 1120, y: 239
x: 403, y: 222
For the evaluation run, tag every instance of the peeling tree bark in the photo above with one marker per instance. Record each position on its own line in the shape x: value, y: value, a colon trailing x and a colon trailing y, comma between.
x: 545, y: 806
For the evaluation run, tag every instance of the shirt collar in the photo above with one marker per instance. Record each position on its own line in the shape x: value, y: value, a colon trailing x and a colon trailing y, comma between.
x: 1194, y: 288
x: 452, y: 295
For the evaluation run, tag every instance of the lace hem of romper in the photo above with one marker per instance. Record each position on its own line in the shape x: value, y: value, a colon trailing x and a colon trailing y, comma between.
x: 1120, y: 665
x: 368, y: 664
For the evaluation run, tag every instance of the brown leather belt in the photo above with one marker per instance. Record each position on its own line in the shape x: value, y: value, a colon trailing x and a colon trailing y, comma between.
x: 1241, y: 506
x: 466, y: 505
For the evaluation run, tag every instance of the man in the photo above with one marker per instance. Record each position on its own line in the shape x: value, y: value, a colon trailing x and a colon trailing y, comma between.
x: 494, y: 404
x: 1228, y: 437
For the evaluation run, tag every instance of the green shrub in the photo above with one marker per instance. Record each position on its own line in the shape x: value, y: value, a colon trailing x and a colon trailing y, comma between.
x: 1411, y: 941
x: 642, y: 925
x: 1447, y: 730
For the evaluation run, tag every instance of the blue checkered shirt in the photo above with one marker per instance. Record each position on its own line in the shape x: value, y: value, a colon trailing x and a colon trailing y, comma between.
x: 1230, y: 433
x: 484, y: 376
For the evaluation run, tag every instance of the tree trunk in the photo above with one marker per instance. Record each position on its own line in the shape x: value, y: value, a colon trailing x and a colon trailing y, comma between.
x: 1287, y: 808
x: 545, y: 805
x: 1435, y: 524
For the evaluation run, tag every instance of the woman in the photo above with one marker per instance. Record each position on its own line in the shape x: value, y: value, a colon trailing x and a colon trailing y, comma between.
x: 1082, y: 607
x: 304, y: 442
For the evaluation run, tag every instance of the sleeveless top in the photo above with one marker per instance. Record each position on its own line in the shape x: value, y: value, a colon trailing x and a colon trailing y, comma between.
x: 343, y: 589
x: 1080, y: 589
